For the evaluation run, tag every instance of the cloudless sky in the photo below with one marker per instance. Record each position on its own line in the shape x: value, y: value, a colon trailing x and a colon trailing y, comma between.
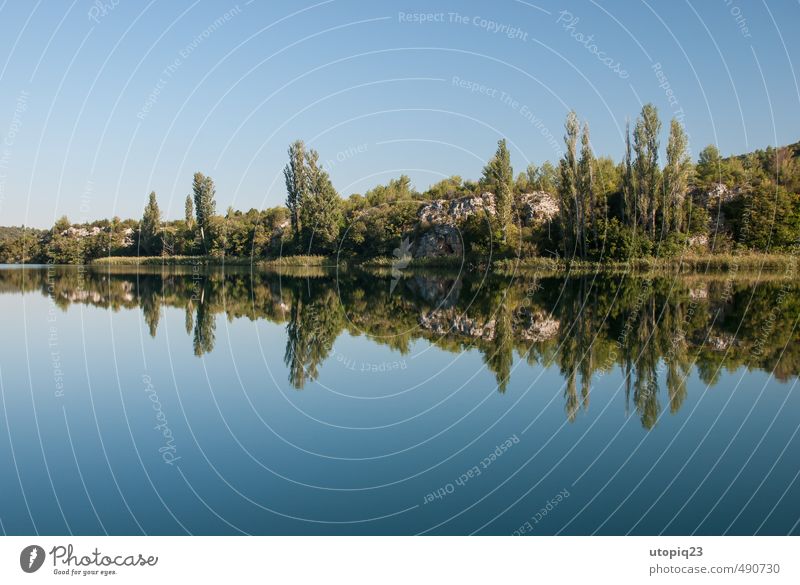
x: 99, y: 106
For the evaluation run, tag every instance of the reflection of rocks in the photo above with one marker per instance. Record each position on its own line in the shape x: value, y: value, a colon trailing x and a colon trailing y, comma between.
x: 84, y: 296
x: 439, y: 292
x: 452, y: 322
x: 440, y: 240
x: 537, y: 207
x: 720, y: 342
x: 698, y: 293
x: 535, y: 325
x: 454, y: 211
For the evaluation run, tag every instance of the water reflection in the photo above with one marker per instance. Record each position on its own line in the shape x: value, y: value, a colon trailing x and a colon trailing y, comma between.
x: 654, y: 329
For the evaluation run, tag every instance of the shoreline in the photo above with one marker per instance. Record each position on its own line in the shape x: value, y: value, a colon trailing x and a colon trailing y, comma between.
x: 694, y: 264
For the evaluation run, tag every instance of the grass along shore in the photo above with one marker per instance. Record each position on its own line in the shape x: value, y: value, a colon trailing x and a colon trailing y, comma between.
x: 749, y: 263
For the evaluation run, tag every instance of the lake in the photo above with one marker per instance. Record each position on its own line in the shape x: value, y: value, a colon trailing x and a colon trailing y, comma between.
x: 228, y: 401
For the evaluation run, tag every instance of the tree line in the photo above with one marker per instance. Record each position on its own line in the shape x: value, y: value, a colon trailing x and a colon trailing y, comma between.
x: 606, y: 210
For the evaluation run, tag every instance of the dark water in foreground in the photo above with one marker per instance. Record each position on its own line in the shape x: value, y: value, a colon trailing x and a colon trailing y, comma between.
x: 224, y: 402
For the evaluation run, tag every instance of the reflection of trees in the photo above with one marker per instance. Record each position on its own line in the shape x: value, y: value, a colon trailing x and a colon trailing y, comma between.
x: 500, y: 355
x: 315, y: 322
x: 205, y: 327
x: 654, y: 330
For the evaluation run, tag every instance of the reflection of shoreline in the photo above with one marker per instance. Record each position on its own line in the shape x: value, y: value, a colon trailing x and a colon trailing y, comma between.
x: 653, y: 330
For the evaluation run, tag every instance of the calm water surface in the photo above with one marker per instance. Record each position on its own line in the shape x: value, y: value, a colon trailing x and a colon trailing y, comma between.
x: 215, y: 402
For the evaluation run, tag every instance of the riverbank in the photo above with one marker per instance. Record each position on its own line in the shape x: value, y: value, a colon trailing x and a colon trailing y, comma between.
x: 691, y: 264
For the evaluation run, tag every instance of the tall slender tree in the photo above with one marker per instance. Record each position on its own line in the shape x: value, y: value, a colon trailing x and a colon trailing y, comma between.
x: 188, y: 210
x: 568, y: 186
x: 295, y: 174
x: 150, y: 229
x: 629, y: 204
x: 587, y: 187
x: 676, y: 177
x: 205, y: 205
x: 321, y: 211
x: 646, y: 169
x: 498, y: 177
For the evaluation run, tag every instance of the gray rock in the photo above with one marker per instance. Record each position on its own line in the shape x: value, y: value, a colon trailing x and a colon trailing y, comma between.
x: 440, y: 240
x: 456, y: 211
x: 536, y: 208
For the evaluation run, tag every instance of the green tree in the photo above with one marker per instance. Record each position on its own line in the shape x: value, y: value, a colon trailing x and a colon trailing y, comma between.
x: 676, y: 177
x: 766, y: 218
x: 188, y: 210
x: 587, y: 187
x: 629, y: 193
x: 295, y: 174
x: 646, y: 169
x: 62, y: 246
x: 568, y: 187
x: 321, y: 211
x: 150, y: 228
x: 205, y: 206
x: 498, y: 177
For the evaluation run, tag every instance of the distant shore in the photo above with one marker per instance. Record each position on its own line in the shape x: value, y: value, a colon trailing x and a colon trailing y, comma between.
x: 718, y: 263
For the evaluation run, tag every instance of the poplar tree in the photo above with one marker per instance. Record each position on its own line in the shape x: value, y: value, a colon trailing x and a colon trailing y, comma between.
x: 204, y: 205
x: 587, y: 190
x: 676, y: 176
x: 320, y: 212
x: 628, y: 187
x: 150, y: 228
x: 188, y: 209
x: 498, y: 177
x: 568, y: 185
x: 295, y: 174
x: 646, y: 169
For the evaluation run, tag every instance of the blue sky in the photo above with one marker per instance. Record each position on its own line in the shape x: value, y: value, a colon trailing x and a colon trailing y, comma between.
x: 99, y: 106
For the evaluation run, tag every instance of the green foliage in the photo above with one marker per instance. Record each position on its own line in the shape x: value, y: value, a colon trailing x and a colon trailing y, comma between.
x: 188, y: 210
x: 321, y: 211
x: 543, y: 178
x: 614, y: 241
x: 150, y: 228
x: 498, y: 178
x: 676, y: 177
x: 377, y: 231
x: 766, y: 218
x: 568, y: 189
x: 295, y: 174
x: 450, y: 188
x: 396, y: 190
x: 205, y: 207
x: 647, y: 173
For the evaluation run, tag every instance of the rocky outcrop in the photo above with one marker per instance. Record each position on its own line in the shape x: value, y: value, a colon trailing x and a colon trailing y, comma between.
x: 717, y: 194
x: 278, y: 234
x: 456, y: 211
x: 440, y: 240
x: 536, y: 208
x: 126, y: 236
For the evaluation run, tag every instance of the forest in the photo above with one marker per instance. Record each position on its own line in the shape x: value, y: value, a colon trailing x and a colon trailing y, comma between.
x: 584, y: 207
